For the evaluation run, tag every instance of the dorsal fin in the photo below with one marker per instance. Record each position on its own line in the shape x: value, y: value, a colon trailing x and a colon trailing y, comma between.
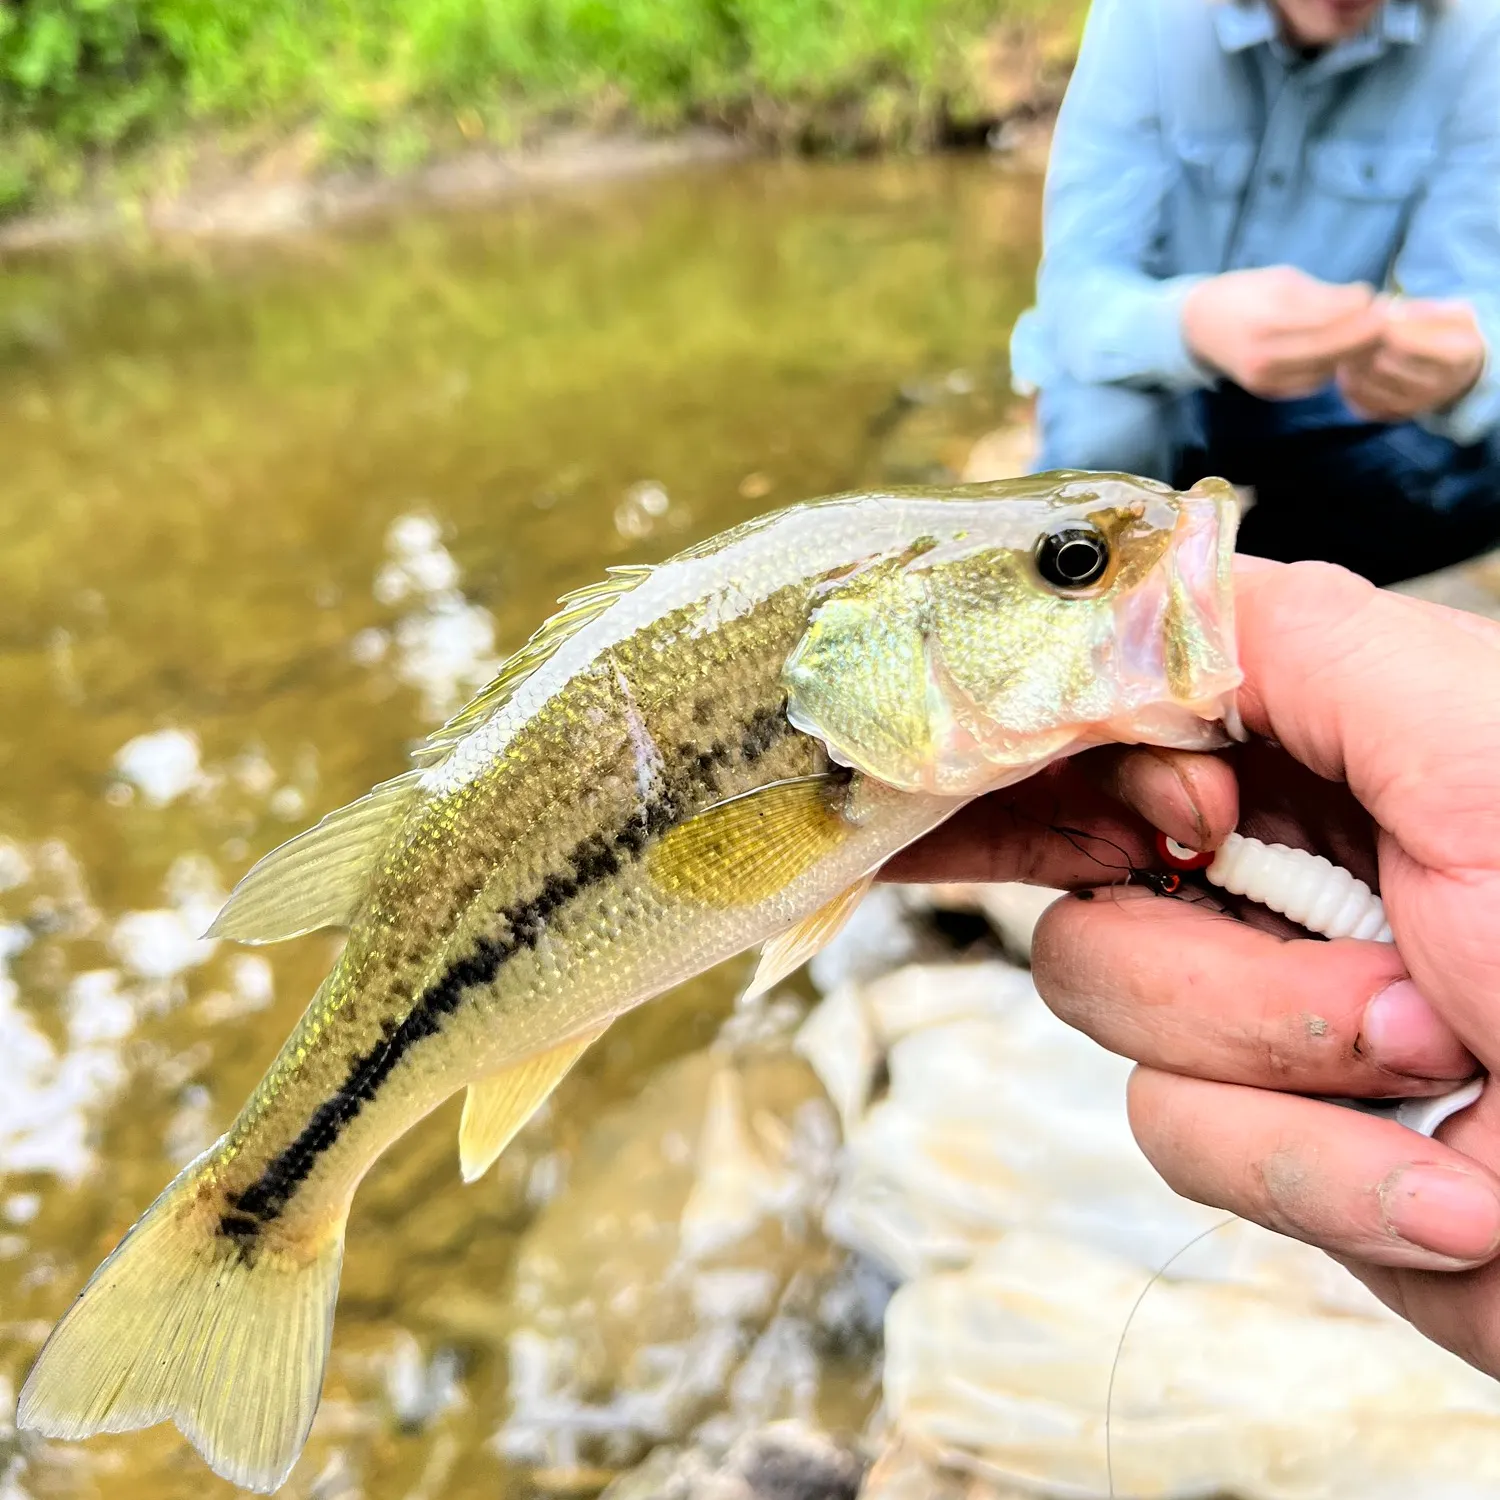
x: 319, y: 878
x: 577, y: 609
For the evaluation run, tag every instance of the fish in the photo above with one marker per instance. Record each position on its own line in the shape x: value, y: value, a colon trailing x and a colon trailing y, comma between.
x: 687, y: 760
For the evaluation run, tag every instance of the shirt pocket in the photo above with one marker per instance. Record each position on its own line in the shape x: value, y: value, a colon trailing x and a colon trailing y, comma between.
x: 1369, y: 172
x: 1217, y: 165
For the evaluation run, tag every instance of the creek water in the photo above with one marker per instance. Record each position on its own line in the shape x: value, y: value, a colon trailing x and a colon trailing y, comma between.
x: 267, y: 513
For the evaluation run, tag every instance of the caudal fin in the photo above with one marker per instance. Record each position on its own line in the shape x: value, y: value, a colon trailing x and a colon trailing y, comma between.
x: 225, y: 1338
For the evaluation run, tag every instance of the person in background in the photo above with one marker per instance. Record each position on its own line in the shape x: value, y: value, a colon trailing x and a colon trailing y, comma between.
x: 1272, y: 253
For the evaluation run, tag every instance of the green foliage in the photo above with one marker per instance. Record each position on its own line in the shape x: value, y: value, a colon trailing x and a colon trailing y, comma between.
x: 91, y: 73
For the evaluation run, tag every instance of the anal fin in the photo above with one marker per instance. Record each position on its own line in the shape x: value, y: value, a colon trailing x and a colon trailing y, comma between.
x: 786, y: 953
x: 495, y: 1108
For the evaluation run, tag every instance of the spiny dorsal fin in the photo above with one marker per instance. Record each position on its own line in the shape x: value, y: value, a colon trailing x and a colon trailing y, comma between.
x: 578, y: 609
x: 318, y: 878
x: 787, y: 953
x: 495, y: 1108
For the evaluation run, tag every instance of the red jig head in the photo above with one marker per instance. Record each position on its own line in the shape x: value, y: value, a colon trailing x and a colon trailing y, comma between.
x: 1179, y: 857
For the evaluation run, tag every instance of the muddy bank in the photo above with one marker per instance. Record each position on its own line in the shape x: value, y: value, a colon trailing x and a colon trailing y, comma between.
x: 212, y: 188
x: 280, y: 198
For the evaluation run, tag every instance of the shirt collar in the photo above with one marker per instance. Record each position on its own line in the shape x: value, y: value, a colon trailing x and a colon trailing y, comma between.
x: 1242, y: 24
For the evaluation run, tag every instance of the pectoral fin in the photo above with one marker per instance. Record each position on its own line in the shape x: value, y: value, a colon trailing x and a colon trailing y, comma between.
x: 319, y: 878
x: 784, y: 954
x: 495, y: 1108
x: 747, y: 848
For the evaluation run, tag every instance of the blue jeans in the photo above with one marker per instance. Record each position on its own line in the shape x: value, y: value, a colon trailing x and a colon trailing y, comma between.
x: 1389, y: 501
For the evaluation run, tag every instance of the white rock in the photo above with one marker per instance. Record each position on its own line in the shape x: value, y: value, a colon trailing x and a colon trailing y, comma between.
x: 1014, y: 910
x: 1000, y: 1117
x: 14, y: 939
x: 15, y: 868
x: 445, y: 651
x: 413, y: 534
x: 287, y: 803
x: 1001, y: 1370
x: 163, y: 765
x: 46, y: 1097
x: 838, y: 1039
x: 160, y: 944
x: 737, y: 1184
x: 675, y: 1282
x: 369, y: 646
x: 877, y: 938
x: 21, y: 1208
x: 998, y: 1176
x: 419, y: 1389
x: 253, y: 980
x: 96, y: 1010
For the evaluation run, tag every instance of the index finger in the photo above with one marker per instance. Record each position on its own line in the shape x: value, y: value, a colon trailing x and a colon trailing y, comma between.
x: 1401, y: 699
x: 1332, y: 339
x: 1396, y: 696
x: 1085, y: 822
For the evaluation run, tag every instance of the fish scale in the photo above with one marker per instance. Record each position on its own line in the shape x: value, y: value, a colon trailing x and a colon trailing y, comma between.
x: 686, y: 761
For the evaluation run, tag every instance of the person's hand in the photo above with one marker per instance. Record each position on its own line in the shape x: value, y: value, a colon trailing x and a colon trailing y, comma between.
x: 1277, y: 332
x: 1429, y: 356
x: 1388, y: 710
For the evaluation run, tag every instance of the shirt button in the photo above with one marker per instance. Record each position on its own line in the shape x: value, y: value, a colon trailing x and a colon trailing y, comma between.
x: 1276, y: 178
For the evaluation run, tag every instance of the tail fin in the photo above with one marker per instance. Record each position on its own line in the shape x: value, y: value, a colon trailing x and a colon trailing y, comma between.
x: 182, y: 1322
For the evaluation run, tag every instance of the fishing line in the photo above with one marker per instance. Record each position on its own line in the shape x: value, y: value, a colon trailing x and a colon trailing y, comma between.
x: 1114, y: 1368
x: 1170, y: 882
x: 1325, y: 899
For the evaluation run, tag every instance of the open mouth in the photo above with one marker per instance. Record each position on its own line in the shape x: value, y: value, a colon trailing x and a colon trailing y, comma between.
x: 1201, y: 658
x: 1176, y: 643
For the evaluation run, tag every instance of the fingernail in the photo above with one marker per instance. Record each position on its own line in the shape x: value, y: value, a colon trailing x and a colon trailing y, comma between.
x: 1443, y: 1210
x: 1402, y: 1033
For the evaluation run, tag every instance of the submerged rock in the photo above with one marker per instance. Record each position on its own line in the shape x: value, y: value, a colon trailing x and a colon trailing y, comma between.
x: 785, y: 1461
x: 925, y: 434
x: 677, y: 1289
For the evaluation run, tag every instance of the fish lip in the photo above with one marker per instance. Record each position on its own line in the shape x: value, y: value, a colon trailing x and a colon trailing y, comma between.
x: 1213, y: 506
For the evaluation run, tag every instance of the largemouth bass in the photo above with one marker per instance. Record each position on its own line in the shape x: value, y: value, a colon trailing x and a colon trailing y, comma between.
x: 688, y: 760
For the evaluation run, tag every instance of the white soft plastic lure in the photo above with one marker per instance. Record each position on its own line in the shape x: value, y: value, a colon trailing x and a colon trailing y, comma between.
x: 1326, y: 899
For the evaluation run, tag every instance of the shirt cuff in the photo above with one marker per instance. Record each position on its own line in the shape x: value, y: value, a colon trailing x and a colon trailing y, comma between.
x: 1164, y: 345
x: 1130, y: 335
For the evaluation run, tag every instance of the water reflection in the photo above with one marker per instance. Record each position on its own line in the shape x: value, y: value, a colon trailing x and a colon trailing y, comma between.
x: 266, y: 517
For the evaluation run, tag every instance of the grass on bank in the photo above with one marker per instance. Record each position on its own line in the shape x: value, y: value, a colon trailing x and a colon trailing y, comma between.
x: 89, y: 81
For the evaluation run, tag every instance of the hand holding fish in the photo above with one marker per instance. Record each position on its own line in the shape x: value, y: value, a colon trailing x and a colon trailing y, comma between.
x: 1399, y: 701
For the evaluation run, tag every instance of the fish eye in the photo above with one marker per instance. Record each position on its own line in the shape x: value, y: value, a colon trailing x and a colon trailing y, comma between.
x: 1072, y: 556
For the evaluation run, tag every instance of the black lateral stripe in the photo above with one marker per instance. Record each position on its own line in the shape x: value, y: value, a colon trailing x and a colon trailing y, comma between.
x: 592, y: 860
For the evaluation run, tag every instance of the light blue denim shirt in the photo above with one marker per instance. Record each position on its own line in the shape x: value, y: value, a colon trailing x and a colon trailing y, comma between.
x: 1194, y: 141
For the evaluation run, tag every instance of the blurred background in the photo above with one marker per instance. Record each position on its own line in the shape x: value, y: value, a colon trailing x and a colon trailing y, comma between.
x: 336, y: 340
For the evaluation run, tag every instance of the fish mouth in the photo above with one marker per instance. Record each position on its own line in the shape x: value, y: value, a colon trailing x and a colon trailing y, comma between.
x: 1178, y: 631
x: 1203, y: 563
